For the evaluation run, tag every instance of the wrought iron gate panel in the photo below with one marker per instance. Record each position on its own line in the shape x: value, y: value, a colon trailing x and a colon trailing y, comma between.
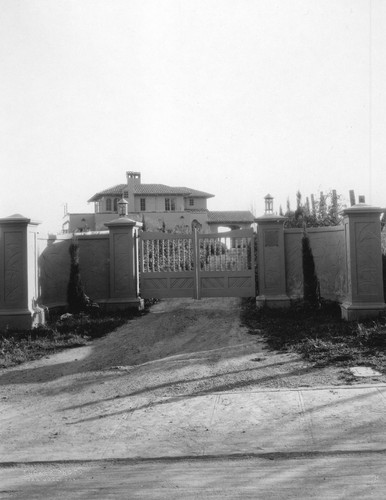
x: 197, y: 265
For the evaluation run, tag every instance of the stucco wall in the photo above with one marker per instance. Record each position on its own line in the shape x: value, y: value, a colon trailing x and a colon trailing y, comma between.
x: 199, y: 203
x: 94, y: 265
x: 328, y: 249
x: 157, y: 203
x: 82, y: 221
x: 54, y: 267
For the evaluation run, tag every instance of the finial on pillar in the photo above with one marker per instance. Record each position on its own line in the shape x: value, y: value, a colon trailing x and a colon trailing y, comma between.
x: 123, y: 207
x: 268, y: 204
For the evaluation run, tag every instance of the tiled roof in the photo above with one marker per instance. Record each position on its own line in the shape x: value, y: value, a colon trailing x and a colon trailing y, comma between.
x: 233, y: 216
x: 196, y: 210
x: 196, y: 193
x: 150, y: 189
x: 111, y: 191
x: 159, y: 189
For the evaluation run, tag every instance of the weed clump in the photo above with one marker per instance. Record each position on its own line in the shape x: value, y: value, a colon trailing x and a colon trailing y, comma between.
x: 68, y: 331
x: 320, y: 335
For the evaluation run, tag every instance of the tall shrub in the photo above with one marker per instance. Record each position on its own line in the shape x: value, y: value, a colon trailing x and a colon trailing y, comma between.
x: 77, y: 300
x: 324, y: 212
x: 310, y: 280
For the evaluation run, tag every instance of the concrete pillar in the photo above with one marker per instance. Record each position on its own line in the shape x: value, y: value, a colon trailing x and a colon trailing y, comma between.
x: 364, y: 263
x: 18, y: 273
x: 124, y: 291
x: 271, y: 262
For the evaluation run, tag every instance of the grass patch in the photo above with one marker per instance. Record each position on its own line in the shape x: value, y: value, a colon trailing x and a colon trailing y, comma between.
x: 19, y: 346
x: 320, y: 336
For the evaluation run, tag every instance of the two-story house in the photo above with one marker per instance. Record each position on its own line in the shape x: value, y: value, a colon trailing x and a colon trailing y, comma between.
x: 157, y: 206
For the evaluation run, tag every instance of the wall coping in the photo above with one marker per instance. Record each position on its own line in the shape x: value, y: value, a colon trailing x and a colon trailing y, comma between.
x: 319, y: 229
x: 79, y: 236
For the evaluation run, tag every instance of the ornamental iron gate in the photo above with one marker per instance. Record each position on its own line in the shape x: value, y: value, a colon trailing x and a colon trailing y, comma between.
x: 197, y: 265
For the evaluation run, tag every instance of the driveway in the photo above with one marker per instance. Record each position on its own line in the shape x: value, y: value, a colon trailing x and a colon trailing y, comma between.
x: 187, y: 389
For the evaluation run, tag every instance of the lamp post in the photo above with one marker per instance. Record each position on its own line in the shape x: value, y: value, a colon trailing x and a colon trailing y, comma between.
x: 123, y: 207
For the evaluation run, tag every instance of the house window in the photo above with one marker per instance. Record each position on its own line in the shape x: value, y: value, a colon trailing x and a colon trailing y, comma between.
x: 126, y: 194
x: 170, y: 204
x: 108, y: 204
x: 191, y: 202
x: 115, y: 204
x: 143, y: 204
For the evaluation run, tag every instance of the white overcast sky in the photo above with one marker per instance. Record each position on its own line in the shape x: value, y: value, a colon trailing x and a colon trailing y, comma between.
x: 235, y: 97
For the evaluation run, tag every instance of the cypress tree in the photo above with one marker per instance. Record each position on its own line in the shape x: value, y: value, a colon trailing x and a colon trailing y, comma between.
x: 384, y: 275
x: 310, y: 280
x: 77, y: 300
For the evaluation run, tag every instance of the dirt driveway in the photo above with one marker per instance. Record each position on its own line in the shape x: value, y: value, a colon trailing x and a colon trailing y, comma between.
x: 182, y: 348
x: 185, y: 403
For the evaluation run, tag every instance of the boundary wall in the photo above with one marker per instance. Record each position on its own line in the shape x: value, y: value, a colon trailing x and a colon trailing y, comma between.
x: 348, y: 262
x: 328, y: 249
x: 34, y: 269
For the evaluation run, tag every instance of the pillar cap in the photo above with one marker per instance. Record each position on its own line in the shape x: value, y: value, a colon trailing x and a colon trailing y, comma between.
x: 271, y: 218
x: 18, y: 219
x: 123, y: 221
x: 362, y: 208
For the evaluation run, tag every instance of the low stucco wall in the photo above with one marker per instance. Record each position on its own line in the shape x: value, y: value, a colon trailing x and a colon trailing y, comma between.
x: 328, y: 249
x: 54, y: 267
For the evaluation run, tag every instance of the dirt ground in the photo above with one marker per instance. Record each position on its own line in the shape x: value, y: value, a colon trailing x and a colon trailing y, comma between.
x: 186, y: 382
x: 182, y: 347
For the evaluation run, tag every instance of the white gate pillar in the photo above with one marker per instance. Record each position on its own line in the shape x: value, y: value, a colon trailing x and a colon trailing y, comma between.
x: 271, y: 258
x: 364, y: 263
x: 18, y: 273
x: 124, y: 291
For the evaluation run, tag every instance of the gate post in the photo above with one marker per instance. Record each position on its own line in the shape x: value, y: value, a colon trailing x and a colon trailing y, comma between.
x: 18, y: 273
x: 124, y: 264
x: 271, y: 270
x: 196, y: 260
x: 364, y: 262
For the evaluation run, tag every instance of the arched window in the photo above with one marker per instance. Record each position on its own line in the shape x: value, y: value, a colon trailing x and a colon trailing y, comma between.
x: 196, y: 225
x: 108, y: 204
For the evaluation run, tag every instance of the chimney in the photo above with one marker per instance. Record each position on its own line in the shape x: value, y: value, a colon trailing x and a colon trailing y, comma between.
x: 133, y: 179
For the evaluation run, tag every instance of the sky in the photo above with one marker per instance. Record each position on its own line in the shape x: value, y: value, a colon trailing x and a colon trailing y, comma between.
x: 238, y: 98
